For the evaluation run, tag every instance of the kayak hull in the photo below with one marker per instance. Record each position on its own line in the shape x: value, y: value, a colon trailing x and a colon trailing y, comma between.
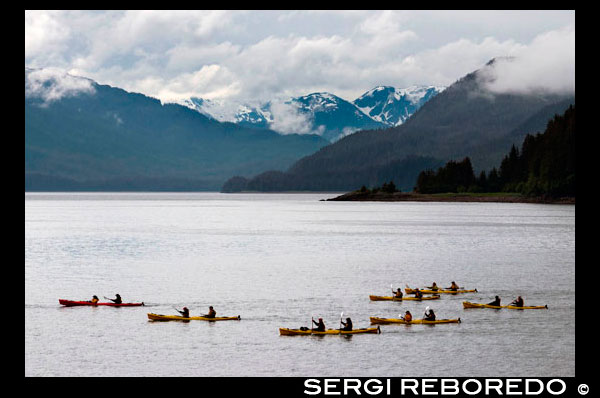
x: 440, y: 291
x: 376, y: 320
x: 300, y: 332
x: 467, y: 304
x: 71, y: 303
x: 159, y: 317
x: 391, y: 298
x: 530, y: 307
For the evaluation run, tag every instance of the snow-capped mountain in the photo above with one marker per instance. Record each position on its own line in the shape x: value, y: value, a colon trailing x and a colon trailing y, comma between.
x: 322, y: 113
x: 332, y: 116
x: 392, y: 106
x: 231, y: 111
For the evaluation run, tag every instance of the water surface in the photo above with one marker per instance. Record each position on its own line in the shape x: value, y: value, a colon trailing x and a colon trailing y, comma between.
x: 278, y: 260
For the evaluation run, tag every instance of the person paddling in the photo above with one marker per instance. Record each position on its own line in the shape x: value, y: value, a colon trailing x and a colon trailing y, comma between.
x: 429, y: 314
x: 211, y: 313
x: 496, y: 302
x: 397, y: 293
x: 347, y: 324
x: 518, y: 302
x: 418, y: 293
x: 320, y: 325
x: 453, y: 286
x: 185, y: 313
x: 407, y: 316
x: 117, y: 299
x: 94, y: 299
x: 434, y: 287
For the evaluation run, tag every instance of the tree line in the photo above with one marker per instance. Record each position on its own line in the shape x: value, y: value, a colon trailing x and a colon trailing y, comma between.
x: 544, y: 166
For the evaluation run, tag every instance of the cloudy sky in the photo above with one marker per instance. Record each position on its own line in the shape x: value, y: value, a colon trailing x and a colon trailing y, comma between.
x: 260, y: 55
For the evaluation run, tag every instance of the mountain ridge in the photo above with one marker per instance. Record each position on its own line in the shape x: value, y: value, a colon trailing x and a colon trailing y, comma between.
x: 82, y: 135
x: 323, y: 113
x: 463, y: 120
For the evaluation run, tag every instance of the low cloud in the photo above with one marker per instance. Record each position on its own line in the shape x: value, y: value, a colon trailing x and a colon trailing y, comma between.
x: 287, y: 119
x: 52, y: 85
x: 547, y: 65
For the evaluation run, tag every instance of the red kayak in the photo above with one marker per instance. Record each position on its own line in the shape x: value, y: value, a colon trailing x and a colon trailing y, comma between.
x: 71, y: 303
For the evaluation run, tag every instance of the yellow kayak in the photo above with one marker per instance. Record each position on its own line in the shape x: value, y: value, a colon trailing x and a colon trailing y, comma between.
x: 158, y: 317
x: 439, y: 291
x: 300, y: 332
x: 391, y: 298
x: 377, y: 320
x: 467, y: 304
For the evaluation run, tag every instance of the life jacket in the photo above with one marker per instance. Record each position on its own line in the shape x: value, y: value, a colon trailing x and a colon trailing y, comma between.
x: 95, y: 300
x: 408, y: 317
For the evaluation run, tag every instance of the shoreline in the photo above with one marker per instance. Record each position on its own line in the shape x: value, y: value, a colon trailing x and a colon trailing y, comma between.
x: 358, y: 196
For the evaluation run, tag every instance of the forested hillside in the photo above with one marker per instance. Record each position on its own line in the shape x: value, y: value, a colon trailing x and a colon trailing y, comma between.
x: 545, y: 165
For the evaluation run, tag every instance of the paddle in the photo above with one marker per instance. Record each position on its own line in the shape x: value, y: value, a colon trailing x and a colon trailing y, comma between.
x: 341, y: 316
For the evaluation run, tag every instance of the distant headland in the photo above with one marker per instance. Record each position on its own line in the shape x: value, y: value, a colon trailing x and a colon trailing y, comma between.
x: 380, y: 196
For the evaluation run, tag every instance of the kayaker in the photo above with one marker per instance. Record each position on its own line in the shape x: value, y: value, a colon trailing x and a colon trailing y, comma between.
x: 397, y: 293
x: 117, y: 299
x: 434, y: 286
x: 185, y: 313
x: 418, y: 293
x: 320, y: 325
x: 453, y: 286
x: 429, y: 314
x: 347, y: 324
x: 94, y: 299
x: 211, y: 313
x: 518, y: 302
x: 407, y: 316
x: 496, y: 302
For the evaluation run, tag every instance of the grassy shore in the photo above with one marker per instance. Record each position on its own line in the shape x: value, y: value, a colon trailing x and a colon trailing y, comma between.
x: 503, y: 197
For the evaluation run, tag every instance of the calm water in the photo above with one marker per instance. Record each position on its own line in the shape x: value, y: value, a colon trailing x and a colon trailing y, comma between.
x: 277, y: 260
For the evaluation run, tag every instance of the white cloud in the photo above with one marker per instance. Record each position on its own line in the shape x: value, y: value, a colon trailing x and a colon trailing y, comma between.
x: 547, y: 65
x: 288, y: 120
x: 51, y: 85
x: 260, y: 55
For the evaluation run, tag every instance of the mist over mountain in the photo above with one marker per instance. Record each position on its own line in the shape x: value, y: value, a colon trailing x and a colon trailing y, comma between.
x: 466, y: 119
x: 322, y: 113
x: 88, y: 136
